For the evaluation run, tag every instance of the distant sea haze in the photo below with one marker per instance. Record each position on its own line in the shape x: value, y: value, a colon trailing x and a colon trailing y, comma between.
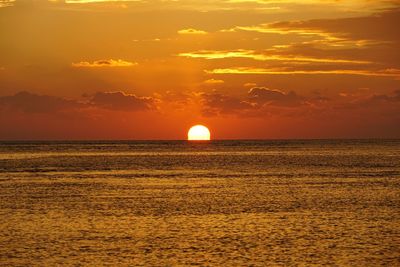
x: 219, y: 203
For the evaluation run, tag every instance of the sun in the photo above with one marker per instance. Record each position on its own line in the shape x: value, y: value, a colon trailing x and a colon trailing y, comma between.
x: 198, y: 132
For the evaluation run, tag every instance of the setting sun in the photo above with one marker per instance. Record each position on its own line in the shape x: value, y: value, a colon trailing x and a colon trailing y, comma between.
x: 199, y: 132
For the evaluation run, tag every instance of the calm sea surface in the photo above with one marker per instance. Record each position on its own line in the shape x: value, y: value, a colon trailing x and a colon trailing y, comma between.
x: 220, y: 203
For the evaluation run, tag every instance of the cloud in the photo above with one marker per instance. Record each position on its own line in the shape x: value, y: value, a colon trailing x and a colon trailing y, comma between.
x: 213, y: 81
x: 266, y: 56
x: 97, y: 1
x: 6, y: 3
x: 250, y: 85
x: 215, y: 103
x: 370, y: 42
x: 284, y: 71
x: 34, y: 103
x: 265, y: 96
x: 180, y: 100
x: 262, y: 102
x: 384, y: 98
x: 229, y: 5
x: 117, y: 101
x: 122, y: 101
x: 192, y: 31
x: 358, y: 46
x: 375, y: 103
x: 104, y: 63
x: 376, y: 27
x: 256, y: 102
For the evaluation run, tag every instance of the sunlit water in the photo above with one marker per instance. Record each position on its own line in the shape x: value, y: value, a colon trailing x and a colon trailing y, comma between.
x: 221, y: 203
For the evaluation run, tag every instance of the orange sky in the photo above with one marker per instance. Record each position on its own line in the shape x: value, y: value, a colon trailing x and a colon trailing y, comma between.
x: 99, y: 69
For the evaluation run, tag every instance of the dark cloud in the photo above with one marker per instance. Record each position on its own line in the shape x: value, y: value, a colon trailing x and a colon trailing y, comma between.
x: 374, y: 39
x: 256, y: 103
x: 216, y: 103
x: 383, y: 98
x: 265, y: 96
x: 34, y: 103
x: 122, y: 102
x: 380, y: 27
x: 261, y: 102
x: 179, y: 98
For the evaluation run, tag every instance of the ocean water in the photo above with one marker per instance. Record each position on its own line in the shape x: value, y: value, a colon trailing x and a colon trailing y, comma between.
x: 219, y: 203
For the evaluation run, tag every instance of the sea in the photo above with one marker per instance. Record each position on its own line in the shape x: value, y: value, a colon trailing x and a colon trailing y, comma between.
x: 211, y: 203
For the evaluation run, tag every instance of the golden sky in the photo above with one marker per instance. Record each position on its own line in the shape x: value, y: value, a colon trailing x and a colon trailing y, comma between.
x: 99, y: 69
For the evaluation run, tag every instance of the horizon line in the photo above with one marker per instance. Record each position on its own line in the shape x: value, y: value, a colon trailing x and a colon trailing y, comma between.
x: 196, y: 141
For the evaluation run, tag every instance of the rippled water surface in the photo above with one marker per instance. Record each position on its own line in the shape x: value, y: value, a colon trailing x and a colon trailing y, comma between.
x: 220, y: 203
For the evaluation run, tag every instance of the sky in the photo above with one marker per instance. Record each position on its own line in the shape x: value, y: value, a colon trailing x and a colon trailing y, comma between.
x: 247, y: 69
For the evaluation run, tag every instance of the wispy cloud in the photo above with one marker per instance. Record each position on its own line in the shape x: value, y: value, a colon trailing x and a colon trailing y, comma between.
x: 338, y: 31
x: 6, y: 3
x: 97, y: 1
x: 192, y: 31
x: 213, y: 81
x: 242, y: 53
x: 249, y: 70
x: 104, y: 63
